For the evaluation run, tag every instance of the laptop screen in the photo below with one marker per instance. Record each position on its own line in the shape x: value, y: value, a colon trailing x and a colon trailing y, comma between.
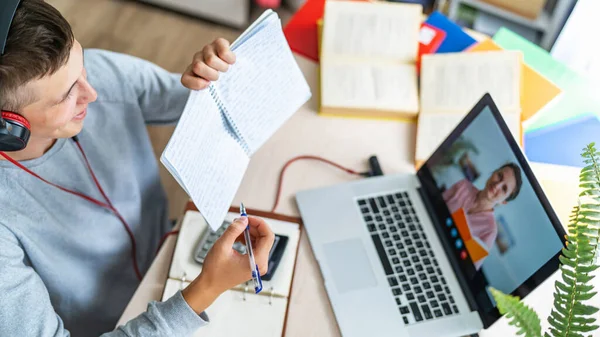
x: 495, y: 220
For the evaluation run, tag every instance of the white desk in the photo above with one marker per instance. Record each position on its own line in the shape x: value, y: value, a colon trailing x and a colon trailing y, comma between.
x: 346, y: 141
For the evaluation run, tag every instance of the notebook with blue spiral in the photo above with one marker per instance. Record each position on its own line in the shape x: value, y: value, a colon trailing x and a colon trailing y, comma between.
x: 222, y: 126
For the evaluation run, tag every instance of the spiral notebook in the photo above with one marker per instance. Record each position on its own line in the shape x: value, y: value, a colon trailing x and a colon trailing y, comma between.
x: 221, y: 127
x: 264, y: 312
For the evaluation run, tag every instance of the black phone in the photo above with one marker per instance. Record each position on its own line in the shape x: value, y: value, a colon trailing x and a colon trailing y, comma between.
x: 275, y: 255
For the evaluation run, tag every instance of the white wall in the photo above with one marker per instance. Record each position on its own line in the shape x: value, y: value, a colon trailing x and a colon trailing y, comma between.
x: 577, y: 45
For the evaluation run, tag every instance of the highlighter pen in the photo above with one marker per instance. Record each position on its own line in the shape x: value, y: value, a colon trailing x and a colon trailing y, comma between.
x: 253, y: 266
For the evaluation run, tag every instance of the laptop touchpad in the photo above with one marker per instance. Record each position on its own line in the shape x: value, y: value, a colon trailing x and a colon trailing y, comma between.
x: 349, y: 265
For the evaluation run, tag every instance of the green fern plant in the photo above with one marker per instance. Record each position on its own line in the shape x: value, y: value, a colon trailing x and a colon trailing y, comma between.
x: 572, y: 316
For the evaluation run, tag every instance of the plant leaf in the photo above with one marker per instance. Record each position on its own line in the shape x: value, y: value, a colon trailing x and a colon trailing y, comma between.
x: 519, y: 315
x: 572, y: 315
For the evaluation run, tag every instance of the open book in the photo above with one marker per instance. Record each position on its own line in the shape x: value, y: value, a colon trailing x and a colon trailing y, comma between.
x: 265, y: 312
x: 537, y: 91
x: 368, y: 55
x: 452, y: 83
x: 222, y: 126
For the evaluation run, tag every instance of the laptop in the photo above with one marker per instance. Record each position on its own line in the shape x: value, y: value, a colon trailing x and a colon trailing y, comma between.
x: 415, y: 254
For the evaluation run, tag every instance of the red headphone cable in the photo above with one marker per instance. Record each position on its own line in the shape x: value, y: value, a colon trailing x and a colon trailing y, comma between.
x: 108, y: 205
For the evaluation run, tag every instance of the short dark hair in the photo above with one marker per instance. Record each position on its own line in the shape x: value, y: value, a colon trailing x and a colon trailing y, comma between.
x: 38, y: 45
x: 518, y: 179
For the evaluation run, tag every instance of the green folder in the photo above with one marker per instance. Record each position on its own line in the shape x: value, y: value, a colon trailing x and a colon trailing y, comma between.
x: 580, y: 96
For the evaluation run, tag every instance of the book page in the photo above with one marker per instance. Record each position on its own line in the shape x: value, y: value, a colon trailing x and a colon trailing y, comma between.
x: 362, y: 30
x: 390, y: 87
x: 264, y: 87
x: 434, y: 128
x: 455, y: 82
x: 207, y: 161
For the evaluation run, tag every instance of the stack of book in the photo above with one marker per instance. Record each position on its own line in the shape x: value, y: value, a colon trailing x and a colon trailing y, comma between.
x: 381, y: 60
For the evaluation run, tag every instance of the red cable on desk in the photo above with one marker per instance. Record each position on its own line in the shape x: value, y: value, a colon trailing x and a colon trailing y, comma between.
x: 308, y: 157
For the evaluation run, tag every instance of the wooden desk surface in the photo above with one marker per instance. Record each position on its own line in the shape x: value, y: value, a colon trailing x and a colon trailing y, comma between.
x: 346, y: 141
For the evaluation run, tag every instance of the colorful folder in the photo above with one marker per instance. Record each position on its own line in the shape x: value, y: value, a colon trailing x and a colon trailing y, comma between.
x: 430, y: 40
x: 580, y: 96
x: 301, y: 30
x: 536, y: 91
x: 561, y: 143
x: 456, y: 39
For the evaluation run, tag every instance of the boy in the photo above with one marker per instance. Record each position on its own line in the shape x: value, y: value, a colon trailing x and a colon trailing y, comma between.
x: 77, y: 202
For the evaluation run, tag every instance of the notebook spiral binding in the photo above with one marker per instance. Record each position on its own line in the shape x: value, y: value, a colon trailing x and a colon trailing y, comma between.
x: 228, y: 121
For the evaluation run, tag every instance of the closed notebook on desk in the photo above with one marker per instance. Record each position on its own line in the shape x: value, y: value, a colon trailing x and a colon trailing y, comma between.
x: 238, y: 312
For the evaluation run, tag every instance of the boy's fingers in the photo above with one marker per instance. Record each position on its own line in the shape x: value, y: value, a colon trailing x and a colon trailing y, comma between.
x: 223, y: 50
x: 212, y: 60
x: 235, y: 230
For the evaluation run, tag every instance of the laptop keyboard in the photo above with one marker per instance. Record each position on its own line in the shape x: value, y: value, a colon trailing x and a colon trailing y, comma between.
x: 415, y: 279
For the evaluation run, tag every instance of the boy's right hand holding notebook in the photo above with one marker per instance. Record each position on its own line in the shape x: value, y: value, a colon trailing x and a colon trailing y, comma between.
x: 225, y: 268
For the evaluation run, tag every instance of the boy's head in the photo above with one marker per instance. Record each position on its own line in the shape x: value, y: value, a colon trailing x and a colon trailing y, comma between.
x: 504, y: 184
x: 41, y: 72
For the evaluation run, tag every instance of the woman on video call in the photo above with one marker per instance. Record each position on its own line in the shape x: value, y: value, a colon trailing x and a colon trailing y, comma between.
x: 501, y: 187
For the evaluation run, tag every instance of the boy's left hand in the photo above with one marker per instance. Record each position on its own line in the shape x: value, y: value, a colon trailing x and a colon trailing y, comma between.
x: 206, y: 65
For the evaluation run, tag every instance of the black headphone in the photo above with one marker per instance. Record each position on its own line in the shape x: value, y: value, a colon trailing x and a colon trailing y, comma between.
x: 14, y: 128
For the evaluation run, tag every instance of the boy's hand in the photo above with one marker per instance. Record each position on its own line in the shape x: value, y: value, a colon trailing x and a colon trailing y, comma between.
x: 206, y: 65
x: 225, y: 268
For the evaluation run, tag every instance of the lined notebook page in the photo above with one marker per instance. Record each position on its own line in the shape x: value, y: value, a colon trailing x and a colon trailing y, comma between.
x: 362, y: 30
x: 371, y: 86
x: 455, y: 82
x: 205, y: 158
x: 264, y: 87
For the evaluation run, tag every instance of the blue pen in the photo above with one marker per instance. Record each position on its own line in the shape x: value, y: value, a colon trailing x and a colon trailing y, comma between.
x: 253, y: 266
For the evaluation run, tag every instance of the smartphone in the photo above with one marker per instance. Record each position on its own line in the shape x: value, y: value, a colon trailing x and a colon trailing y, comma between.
x: 208, y: 238
x: 275, y: 255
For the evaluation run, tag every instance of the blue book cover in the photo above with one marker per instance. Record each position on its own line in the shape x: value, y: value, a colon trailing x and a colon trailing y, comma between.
x: 456, y: 39
x: 562, y: 143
